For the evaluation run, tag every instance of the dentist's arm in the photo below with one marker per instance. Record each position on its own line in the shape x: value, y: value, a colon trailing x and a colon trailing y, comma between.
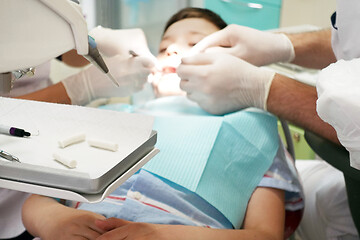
x: 91, y: 83
x: 296, y: 102
x: 221, y: 83
x: 313, y: 49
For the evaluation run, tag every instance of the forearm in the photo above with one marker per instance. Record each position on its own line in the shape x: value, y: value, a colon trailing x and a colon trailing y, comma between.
x: 296, y: 102
x: 71, y: 58
x: 35, y: 212
x: 313, y: 49
x: 202, y: 233
x: 54, y: 94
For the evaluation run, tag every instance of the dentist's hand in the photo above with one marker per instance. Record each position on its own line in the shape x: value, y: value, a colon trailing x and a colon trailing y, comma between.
x: 222, y: 83
x: 111, y: 42
x: 130, y: 72
x: 254, y: 46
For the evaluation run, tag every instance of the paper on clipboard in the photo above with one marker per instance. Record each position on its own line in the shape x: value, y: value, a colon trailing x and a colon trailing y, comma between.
x: 55, y: 121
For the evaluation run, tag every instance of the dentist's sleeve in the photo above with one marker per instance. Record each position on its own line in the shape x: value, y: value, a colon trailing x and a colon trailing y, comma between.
x: 338, y: 104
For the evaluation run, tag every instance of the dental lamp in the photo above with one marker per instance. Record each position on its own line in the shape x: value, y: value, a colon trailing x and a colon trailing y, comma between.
x: 35, y: 31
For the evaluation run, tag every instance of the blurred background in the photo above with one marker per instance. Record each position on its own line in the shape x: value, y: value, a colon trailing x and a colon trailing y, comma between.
x: 151, y: 15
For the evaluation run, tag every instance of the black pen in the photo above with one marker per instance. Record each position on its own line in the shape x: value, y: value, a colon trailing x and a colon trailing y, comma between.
x: 14, y: 131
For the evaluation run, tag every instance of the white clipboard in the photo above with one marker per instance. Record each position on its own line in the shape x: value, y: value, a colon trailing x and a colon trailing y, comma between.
x: 98, y: 170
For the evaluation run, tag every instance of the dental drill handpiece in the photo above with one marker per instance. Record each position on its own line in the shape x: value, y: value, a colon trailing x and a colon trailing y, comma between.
x: 95, y: 58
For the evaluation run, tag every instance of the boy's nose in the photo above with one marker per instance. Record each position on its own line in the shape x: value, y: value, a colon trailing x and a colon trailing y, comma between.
x: 172, y: 50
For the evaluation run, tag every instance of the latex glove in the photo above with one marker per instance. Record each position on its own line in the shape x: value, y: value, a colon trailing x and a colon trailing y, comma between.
x: 256, y: 47
x: 222, y: 83
x: 130, y: 72
x: 112, y: 42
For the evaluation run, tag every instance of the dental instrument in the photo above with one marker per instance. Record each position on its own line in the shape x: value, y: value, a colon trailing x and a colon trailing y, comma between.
x: 95, y: 58
x: 8, y: 156
x: 132, y: 53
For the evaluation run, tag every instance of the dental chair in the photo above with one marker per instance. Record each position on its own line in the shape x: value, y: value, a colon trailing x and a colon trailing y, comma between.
x: 338, y: 157
x: 291, y: 219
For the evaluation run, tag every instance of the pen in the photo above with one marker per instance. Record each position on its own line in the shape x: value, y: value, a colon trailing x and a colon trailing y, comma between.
x: 8, y: 156
x: 14, y: 131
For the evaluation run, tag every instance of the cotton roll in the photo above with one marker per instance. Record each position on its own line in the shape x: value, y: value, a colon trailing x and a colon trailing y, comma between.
x: 111, y: 146
x: 70, y: 163
x: 71, y: 140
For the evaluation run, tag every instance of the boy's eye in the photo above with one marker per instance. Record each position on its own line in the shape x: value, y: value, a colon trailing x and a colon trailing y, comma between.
x: 192, y: 44
x: 162, y: 50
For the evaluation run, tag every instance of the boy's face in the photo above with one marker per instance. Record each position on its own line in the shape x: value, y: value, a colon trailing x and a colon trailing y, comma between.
x: 178, y: 39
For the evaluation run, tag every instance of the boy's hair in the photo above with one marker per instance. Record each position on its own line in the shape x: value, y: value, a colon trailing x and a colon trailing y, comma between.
x: 192, y: 12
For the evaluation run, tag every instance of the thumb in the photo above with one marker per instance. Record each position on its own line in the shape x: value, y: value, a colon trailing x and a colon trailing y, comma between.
x: 199, y: 59
x: 110, y: 223
x: 146, y: 62
x: 213, y: 40
x: 214, y: 50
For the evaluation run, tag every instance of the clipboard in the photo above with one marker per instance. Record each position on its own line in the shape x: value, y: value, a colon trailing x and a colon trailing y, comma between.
x: 98, y: 170
x: 72, y: 195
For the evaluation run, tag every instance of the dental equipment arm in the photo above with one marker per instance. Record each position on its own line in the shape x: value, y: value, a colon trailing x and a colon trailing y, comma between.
x: 35, y: 31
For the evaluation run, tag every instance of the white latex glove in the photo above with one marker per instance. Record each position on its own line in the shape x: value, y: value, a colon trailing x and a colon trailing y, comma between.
x: 112, y: 42
x: 130, y: 72
x: 222, y: 83
x: 338, y: 104
x: 254, y: 46
x: 166, y: 85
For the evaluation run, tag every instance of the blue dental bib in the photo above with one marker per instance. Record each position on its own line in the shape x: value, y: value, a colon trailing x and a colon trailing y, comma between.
x: 221, y: 158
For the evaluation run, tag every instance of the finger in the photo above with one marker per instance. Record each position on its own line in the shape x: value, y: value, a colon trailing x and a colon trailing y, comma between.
x: 110, y: 223
x: 192, y: 72
x: 89, y: 234
x: 116, y: 234
x: 78, y: 238
x: 149, y: 55
x: 143, y: 62
x: 225, y: 50
x: 184, y: 86
x: 188, y: 87
x: 213, y: 40
x: 95, y: 228
x: 199, y: 59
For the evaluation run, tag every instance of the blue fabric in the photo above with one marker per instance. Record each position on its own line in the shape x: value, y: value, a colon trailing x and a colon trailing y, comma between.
x: 185, y: 144
x: 191, y: 209
x: 173, y: 204
x: 214, y: 156
x: 244, y: 150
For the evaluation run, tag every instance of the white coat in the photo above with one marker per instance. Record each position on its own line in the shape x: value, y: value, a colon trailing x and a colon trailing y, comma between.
x: 346, y: 38
x: 11, y: 201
